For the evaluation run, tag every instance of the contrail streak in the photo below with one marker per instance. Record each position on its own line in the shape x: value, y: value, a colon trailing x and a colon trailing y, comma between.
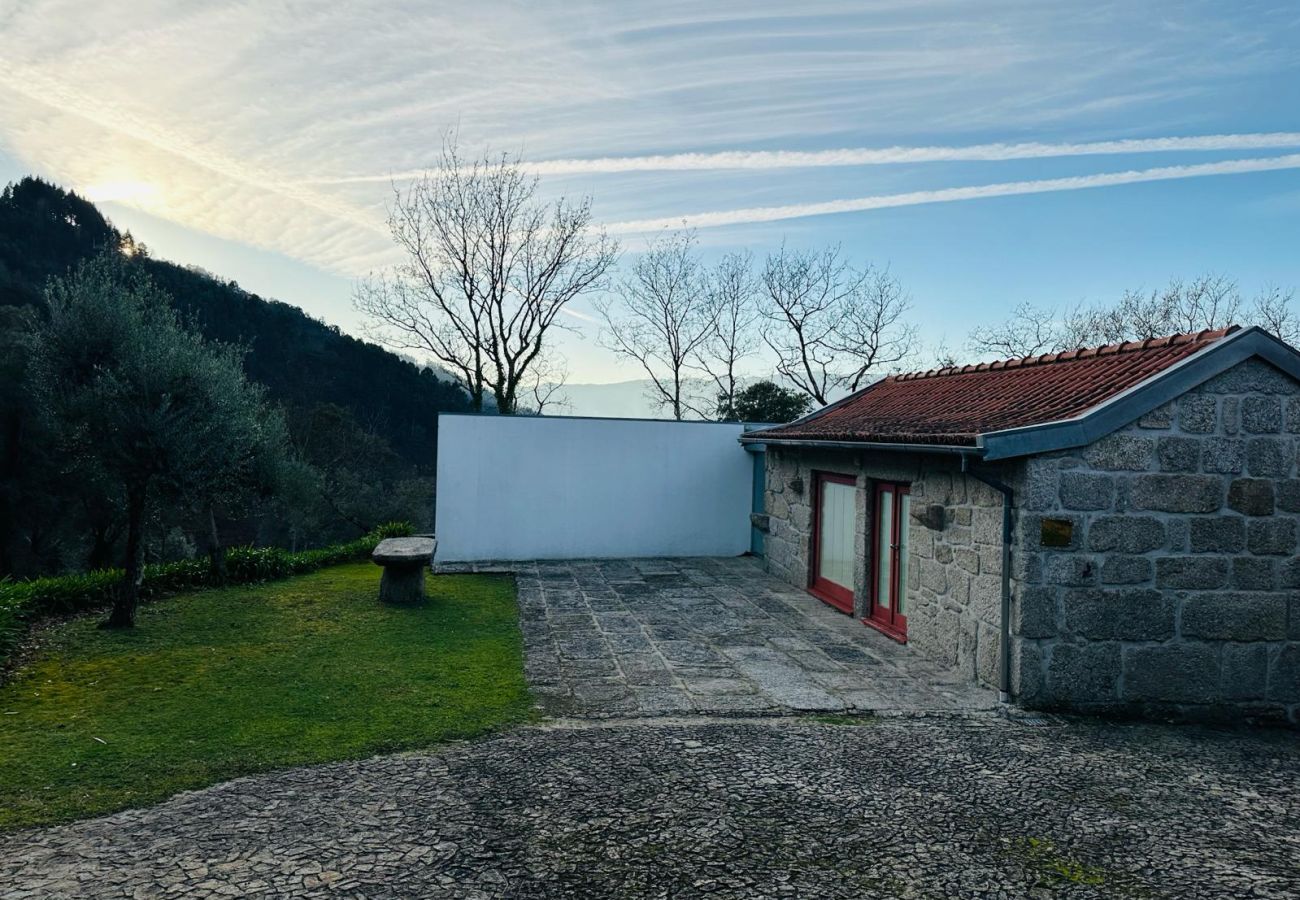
x: 864, y: 156
x: 948, y: 195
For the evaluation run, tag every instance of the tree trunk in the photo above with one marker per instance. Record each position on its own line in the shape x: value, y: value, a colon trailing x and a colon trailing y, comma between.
x: 128, y: 595
x: 216, y: 552
x: 506, y: 403
x: 9, y: 473
x: 101, y: 549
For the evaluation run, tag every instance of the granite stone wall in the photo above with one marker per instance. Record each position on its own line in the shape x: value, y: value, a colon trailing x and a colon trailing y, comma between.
x: 954, y: 578
x: 1154, y: 572
x: 1175, y: 591
x: 956, y: 581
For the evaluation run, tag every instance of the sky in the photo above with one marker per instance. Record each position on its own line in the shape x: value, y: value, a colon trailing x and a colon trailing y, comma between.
x: 988, y: 153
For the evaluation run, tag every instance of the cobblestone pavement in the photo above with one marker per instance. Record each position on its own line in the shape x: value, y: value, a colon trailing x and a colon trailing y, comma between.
x: 746, y: 808
x: 717, y: 635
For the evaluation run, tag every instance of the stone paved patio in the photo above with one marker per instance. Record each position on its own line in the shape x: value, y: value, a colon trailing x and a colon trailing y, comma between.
x: 716, y: 635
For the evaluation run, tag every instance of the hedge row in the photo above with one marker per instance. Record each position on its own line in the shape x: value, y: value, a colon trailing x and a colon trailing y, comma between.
x: 22, y: 602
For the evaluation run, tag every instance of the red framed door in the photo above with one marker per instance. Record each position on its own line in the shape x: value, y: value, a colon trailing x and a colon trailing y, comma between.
x: 834, y: 505
x: 888, y: 610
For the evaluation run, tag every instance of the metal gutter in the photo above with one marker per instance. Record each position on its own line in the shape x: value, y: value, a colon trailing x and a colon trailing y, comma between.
x: 818, y: 413
x: 1004, y: 625
x: 865, y: 445
x: 754, y: 446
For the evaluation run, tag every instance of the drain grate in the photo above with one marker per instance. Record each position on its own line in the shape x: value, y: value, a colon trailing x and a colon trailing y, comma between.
x: 1038, y: 721
x: 1033, y: 719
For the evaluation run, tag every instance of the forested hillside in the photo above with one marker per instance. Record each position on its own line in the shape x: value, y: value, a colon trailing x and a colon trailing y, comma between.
x: 362, y: 419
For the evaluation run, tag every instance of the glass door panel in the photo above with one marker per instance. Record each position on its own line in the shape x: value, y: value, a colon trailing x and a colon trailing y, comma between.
x: 889, y: 559
x: 884, y: 549
x: 836, y: 560
x: 834, y: 529
x: 904, y: 517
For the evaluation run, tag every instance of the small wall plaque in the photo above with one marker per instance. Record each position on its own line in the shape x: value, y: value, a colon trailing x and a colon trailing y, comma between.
x: 1057, y: 532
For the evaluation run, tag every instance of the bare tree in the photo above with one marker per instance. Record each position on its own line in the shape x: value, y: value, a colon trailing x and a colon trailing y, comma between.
x: 1209, y: 301
x: 1272, y: 311
x: 663, y: 319
x: 805, y: 294
x: 488, y: 270
x: 941, y: 356
x: 1029, y: 331
x: 873, y: 334
x: 546, y: 385
x: 733, y: 291
x: 831, y: 326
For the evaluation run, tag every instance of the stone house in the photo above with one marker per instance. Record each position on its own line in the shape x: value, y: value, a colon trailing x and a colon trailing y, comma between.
x: 1110, y: 530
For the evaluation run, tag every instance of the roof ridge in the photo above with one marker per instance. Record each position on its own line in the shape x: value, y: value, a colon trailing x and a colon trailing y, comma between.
x: 1187, y: 337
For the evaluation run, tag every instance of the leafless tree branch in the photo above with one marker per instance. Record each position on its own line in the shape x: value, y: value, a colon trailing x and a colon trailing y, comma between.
x: 831, y: 326
x: 663, y: 319
x: 1209, y: 301
x: 488, y: 268
x: 546, y: 385
x: 1273, y: 311
x: 733, y: 291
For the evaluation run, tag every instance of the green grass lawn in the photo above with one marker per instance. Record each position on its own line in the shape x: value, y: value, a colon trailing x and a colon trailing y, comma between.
x: 222, y: 683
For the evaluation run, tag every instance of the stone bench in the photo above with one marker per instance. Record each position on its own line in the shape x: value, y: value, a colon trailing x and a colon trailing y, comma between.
x: 404, y: 561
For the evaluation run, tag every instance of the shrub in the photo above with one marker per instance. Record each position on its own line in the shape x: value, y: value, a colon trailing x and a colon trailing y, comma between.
x: 23, y: 602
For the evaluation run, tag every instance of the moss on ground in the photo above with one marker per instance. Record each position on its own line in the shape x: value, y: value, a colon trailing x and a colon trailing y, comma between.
x: 222, y: 683
x: 1054, y: 868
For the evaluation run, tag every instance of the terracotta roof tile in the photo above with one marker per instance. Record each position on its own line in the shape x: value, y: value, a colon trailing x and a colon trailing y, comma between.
x: 955, y: 405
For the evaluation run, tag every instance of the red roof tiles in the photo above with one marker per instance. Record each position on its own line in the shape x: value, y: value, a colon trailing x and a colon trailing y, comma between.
x: 957, y: 404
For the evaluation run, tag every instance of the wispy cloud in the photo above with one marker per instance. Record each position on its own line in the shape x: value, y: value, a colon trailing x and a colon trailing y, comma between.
x: 947, y: 195
x: 41, y: 87
x: 226, y: 117
x: 866, y: 156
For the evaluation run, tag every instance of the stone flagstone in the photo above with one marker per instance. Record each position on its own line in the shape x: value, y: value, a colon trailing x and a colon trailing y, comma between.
x: 660, y: 637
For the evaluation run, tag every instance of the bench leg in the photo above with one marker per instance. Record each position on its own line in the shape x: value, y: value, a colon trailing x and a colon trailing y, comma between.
x: 402, y: 585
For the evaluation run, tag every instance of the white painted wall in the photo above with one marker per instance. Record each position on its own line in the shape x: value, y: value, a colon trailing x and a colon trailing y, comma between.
x: 523, y: 487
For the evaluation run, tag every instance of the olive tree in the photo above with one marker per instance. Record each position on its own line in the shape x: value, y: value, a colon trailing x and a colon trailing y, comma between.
x: 145, y: 403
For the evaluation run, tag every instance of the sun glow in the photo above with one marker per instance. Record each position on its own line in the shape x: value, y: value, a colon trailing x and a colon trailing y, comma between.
x: 137, y: 193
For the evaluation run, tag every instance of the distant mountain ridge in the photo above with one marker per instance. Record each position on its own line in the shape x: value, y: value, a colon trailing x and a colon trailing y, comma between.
x: 629, y: 399
x: 619, y: 399
x: 45, y: 230
x: 624, y: 399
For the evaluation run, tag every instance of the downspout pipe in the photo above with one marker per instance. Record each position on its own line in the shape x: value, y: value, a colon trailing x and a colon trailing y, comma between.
x: 1008, y: 501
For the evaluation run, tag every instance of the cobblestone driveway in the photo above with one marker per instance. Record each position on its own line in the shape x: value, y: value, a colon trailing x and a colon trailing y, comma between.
x: 751, y: 808
x: 675, y: 636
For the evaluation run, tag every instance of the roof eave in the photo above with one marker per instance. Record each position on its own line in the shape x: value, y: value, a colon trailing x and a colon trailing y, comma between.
x: 1130, y: 404
x: 818, y: 413
x: 968, y: 449
x: 1108, y: 416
